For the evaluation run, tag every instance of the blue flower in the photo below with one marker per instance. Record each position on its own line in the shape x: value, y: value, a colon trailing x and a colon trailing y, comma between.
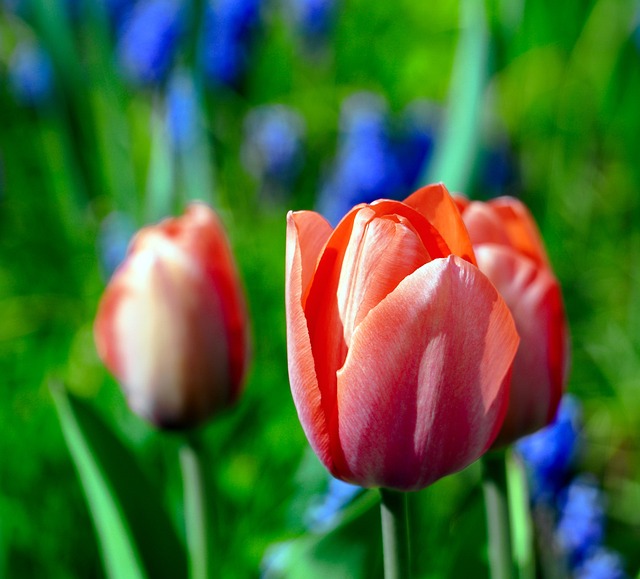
x: 548, y: 453
x: 324, y: 513
x: 31, y: 74
x: 498, y: 172
x: 312, y: 19
x: 183, y: 115
x: 601, y: 564
x: 272, y: 150
x: 581, y: 524
x: 228, y: 32
x: 116, y: 230
x: 118, y: 11
x: 414, y: 148
x: 149, y: 40
x: 365, y: 167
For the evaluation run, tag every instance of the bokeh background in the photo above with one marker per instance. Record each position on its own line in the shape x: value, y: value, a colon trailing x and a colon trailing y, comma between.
x: 115, y: 113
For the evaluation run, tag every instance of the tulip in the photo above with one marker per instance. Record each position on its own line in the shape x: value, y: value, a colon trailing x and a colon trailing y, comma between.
x: 511, y: 253
x: 399, y: 348
x: 172, y: 326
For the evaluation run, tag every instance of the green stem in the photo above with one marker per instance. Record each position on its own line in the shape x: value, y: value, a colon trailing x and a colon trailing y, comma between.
x: 195, y: 509
x: 496, y: 500
x: 395, y: 534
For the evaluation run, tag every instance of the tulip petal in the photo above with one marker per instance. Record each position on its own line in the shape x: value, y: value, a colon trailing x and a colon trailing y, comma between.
x: 174, y: 367
x: 323, y: 311
x: 422, y: 392
x: 380, y: 254
x: 484, y: 224
x: 310, y: 231
x: 437, y: 205
x: 534, y: 298
x: 521, y: 228
x: 200, y: 234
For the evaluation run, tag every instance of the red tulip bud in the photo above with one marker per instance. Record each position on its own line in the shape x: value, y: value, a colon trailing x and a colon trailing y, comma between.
x: 399, y: 347
x: 511, y: 253
x: 172, y: 326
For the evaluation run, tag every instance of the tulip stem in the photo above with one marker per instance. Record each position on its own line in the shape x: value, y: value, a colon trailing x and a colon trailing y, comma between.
x: 395, y: 534
x: 496, y: 501
x: 195, y: 510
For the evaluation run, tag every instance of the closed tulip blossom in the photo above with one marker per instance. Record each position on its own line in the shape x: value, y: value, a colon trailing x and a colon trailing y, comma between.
x: 171, y: 325
x: 399, y: 347
x: 511, y: 253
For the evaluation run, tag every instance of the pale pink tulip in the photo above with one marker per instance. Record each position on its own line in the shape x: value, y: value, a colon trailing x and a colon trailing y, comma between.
x: 172, y: 325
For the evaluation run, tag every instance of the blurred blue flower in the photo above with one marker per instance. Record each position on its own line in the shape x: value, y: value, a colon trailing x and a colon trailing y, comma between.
x: 548, y: 453
x: 498, y: 174
x: 228, y: 33
x: 416, y: 142
x: 365, y: 167
x: 149, y: 39
x: 272, y: 148
x: 323, y: 514
x: 312, y: 20
x: 582, y: 518
x: 118, y: 11
x: 601, y: 564
x: 116, y: 230
x: 31, y: 74
x: 183, y: 114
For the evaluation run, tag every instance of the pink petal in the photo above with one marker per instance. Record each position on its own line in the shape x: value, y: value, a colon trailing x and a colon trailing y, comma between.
x: 533, y: 296
x: 200, y: 234
x: 437, y: 205
x: 381, y: 252
x: 521, y: 228
x: 306, y: 234
x: 484, y: 224
x: 422, y: 394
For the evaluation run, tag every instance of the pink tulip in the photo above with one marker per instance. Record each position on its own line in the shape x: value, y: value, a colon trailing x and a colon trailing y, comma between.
x: 172, y: 326
x: 511, y: 253
x: 399, y: 348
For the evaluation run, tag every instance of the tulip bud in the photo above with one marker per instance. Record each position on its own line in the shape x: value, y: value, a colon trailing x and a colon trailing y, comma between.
x: 399, y: 347
x: 510, y: 252
x: 171, y: 325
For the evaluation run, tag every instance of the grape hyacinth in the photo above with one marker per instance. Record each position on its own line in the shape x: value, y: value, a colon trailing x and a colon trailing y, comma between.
x: 498, y: 172
x: 149, y: 40
x: 182, y: 112
x: 31, y: 74
x: 549, y: 453
x: 272, y: 148
x: 365, y: 168
x: 229, y: 29
x: 417, y: 140
x: 569, y: 511
x: 118, y: 12
x: 601, y: 564
x: 323, y: 514
x: 582, y: 517
x: 312, y: 21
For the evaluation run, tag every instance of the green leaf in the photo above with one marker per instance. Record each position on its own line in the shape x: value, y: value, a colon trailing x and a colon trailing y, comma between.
x: 135, y: 534
x: 455, y: 155
x: 350, y: 550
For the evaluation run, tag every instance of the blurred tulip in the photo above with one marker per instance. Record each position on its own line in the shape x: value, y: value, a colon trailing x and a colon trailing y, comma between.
x: 172, y: 326
x: 399, y: 348
x: 511, y: 253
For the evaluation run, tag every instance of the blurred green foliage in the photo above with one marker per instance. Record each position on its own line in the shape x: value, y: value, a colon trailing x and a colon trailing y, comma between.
x: 563, y: 87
